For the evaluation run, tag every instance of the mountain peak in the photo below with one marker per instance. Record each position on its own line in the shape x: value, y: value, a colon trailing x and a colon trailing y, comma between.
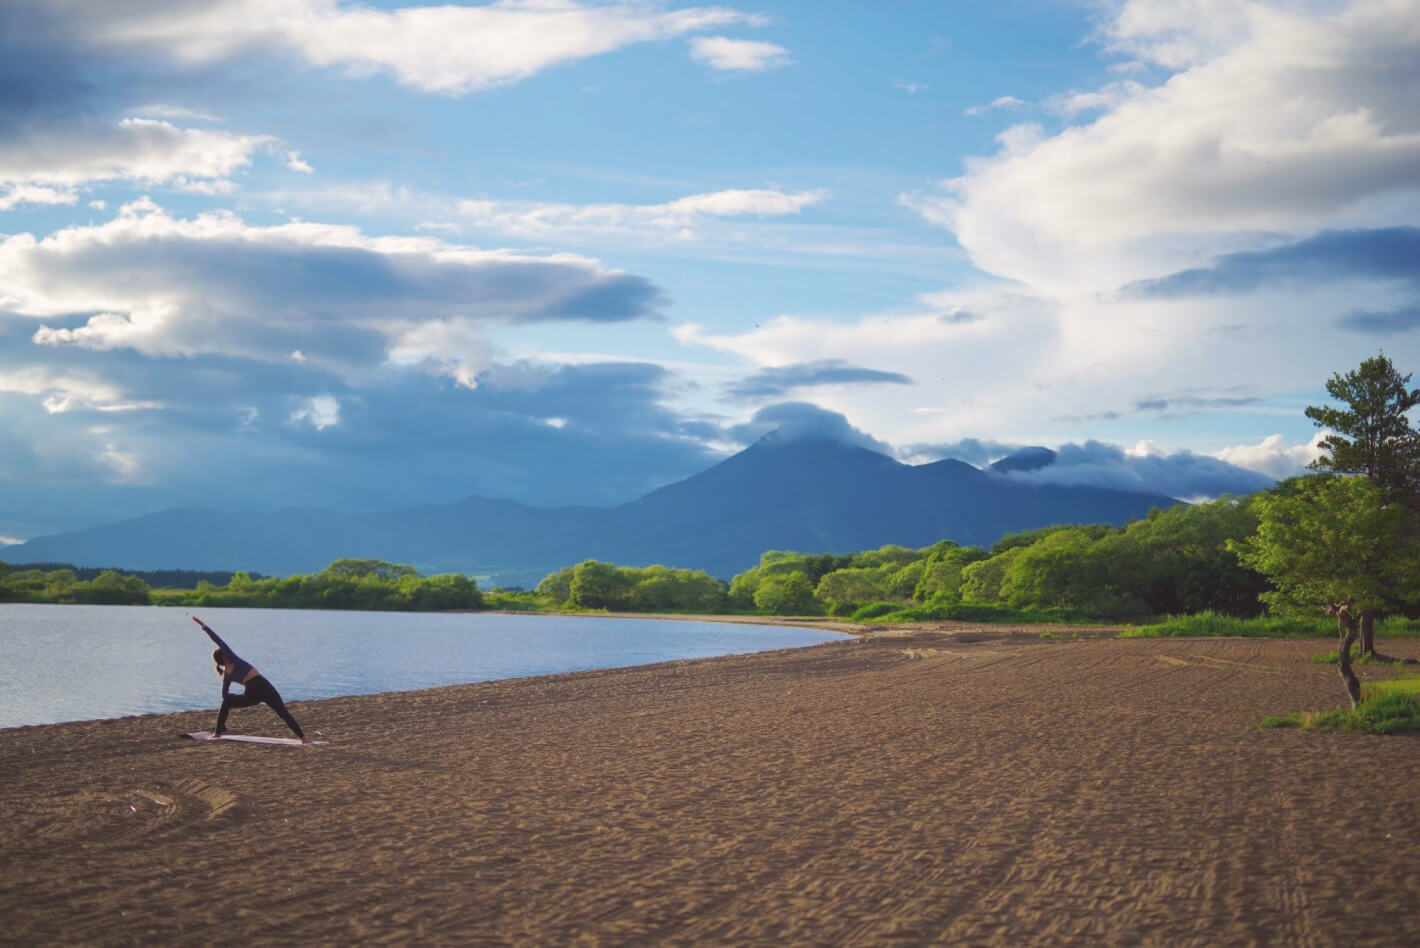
x: 802, y: 433
x: 1026, y: 459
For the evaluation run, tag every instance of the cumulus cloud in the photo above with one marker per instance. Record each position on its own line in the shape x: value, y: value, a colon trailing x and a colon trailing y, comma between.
x: 1274, y: 457
x: 734, y: 55
x: 448, y: 49
x: 787, y: 422
x: 173, y: 287
x: 1109, y: 97
x: 135, y: 149
x: 678, y: 218
x: 781, y: 379
x: 1242, y: 208
x: 15, y: 195
x: 1276, y: 119
x: 319, y: 411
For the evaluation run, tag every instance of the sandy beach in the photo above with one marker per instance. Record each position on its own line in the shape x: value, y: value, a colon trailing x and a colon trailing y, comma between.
x: 949, y: 786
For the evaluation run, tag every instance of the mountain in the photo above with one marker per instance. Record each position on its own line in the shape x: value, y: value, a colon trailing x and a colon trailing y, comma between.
x: 810, y: 495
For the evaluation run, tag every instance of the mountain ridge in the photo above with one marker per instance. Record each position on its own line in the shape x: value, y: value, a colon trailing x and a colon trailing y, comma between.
x: 807, y: 494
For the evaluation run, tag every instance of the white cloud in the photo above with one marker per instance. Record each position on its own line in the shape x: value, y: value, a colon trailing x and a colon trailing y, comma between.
x: 134, y: 149
x: 454, y: 347
x: 1111, y: 96
x: 295, y: 162
x: 447, y: 49
x: 320, y: 412
x: 678, y: 217
x: 175, y: 113
x: 911, y: 88
x: 1008, y: 102
x: 62, y: 392
x: 732, y: 55
x: 15, y: 195
x: 1276, y: 120
x: 1274, y: 457
x: 172, y: 287
x: 122, y: 466
x: 967, y: 353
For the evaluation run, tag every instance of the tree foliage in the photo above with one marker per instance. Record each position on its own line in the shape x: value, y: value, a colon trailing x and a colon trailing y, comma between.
x: 1371, y: 434
x: 1337, y: 544
x: 1331, y: 544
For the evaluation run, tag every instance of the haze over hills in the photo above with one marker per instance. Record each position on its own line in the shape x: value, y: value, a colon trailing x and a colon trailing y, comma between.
x: 808, y: 494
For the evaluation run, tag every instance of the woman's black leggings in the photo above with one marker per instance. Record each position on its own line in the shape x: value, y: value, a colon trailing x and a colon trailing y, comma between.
x: 258, y: 690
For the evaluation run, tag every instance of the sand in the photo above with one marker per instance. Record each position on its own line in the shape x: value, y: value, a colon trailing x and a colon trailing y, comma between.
x: 958, y: 787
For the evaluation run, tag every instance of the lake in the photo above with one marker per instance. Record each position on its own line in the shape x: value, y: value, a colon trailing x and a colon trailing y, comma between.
x: 74, y: 663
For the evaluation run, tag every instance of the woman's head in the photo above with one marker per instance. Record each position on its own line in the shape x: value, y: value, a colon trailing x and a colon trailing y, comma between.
x: 219, y: 660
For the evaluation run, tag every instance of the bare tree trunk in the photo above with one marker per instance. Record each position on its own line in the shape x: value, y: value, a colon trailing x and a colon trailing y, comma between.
x: 1346, y: 628
x: 1368, y: 634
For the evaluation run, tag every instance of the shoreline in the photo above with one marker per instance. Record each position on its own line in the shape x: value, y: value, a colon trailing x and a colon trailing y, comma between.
x: 914, y: 786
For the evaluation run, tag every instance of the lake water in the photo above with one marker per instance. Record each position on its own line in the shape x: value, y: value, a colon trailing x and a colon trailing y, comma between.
x: 75, y: 663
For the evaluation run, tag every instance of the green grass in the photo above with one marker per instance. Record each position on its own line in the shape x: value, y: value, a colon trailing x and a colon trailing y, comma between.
x: 1293, y: 719
x: 1332, y: 657
x: 1275, y: 627
x: 1387, y: 707
x: 1218, y: 625
x: 1395, y: 686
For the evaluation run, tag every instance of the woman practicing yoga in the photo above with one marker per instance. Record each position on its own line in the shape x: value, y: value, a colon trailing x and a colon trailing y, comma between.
x: 256, y: 688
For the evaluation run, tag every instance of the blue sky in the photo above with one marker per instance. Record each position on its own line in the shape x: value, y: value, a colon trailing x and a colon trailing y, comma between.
x: 258, y: 253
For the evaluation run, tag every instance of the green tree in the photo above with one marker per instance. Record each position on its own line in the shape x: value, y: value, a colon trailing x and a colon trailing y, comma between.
x: 986, y: 580
x: 1177, y: 561
x: 1372, y: 435
x: 557, y: 586
x: 1070, y: 570
x: 942, y: 573
x: 348, y: 568
x: 847, y: 587
x: 445, y: 591
x: 1336, y: 544
x: 786, y: 594
x: 598, y: 585
x: 743, y: 587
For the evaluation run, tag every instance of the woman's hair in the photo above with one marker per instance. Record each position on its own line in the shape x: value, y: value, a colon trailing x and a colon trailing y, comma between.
x: 218, y: 658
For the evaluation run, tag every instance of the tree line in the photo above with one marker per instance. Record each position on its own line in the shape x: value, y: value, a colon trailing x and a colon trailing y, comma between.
x: 344, y: 584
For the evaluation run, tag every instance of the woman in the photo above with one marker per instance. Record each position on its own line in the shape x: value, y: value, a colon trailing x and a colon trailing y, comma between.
x: 256, y: 688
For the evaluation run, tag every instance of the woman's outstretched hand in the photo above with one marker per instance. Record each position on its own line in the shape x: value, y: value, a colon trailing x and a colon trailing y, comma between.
x: 199, y: 622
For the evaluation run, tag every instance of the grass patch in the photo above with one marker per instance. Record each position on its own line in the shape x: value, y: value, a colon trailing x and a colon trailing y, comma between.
x: 1272, y: 627
x: 1387, y: 707
x: 1218, y: 625
x: 1398, y: 627
x: 1395, y: 686
x: 1332, y: 657
x: 1294, y: 719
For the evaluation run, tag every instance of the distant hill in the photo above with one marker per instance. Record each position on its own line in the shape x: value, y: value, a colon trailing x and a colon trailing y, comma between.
x: 802, y: 494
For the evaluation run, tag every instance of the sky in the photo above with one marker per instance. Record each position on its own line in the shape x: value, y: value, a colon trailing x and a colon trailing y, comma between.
x: 268, y: 253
